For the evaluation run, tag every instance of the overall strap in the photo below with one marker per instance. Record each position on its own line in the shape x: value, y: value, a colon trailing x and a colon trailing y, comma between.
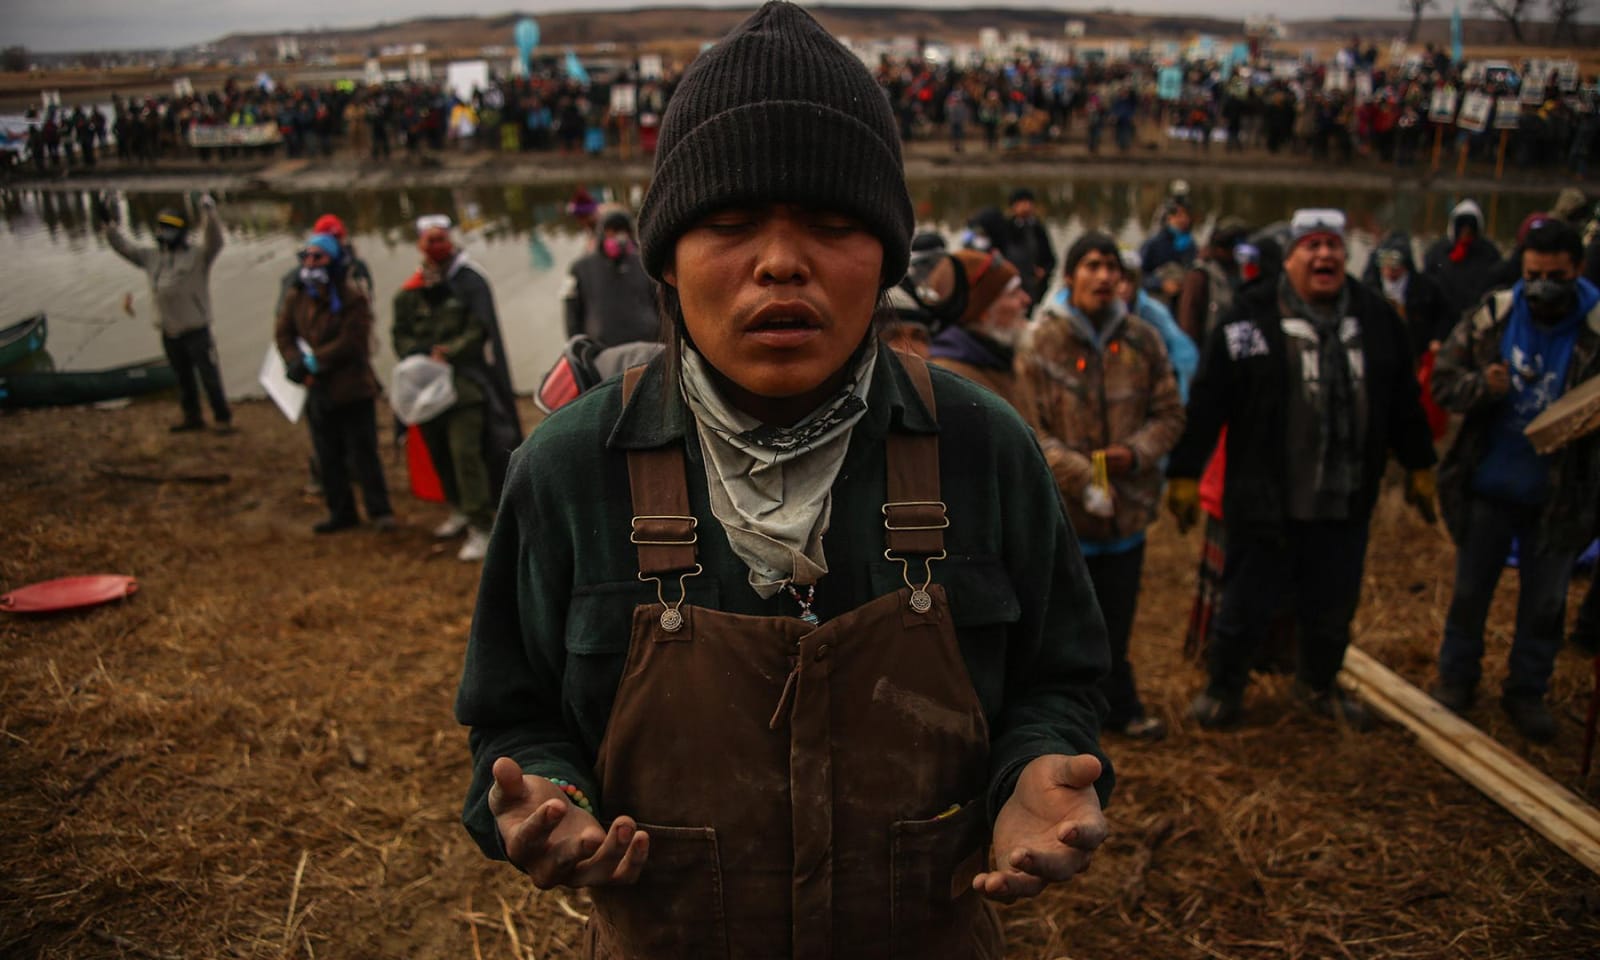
x: 663, y: 525
x: 914, y: 517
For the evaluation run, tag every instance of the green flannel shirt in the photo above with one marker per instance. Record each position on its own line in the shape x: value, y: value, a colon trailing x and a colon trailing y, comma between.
x: 551, y: 629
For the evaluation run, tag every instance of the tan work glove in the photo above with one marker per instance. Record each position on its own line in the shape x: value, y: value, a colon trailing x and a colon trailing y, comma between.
x: 1422, y: 490
x: 1183, y: 500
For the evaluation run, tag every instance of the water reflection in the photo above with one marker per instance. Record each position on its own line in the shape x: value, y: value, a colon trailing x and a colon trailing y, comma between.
x: 523, y: 240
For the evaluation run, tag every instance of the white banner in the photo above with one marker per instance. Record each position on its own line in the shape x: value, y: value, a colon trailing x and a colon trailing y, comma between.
x: 244, y: 135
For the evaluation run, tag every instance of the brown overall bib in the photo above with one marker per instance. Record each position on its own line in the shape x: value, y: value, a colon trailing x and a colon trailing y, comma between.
x: 797, y: 781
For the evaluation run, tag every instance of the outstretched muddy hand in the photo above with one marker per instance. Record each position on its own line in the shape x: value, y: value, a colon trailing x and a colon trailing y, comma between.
x: 556, y: 843
x: 1047, y: 831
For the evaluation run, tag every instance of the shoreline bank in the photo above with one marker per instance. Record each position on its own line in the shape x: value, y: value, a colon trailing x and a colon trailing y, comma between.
x: 923, y: 161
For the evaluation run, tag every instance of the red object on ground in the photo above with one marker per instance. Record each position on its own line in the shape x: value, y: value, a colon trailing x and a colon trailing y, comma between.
x: 69, y: 593
x: 425, y: 483
x: 1211, y: 482
x: 1438, y: 418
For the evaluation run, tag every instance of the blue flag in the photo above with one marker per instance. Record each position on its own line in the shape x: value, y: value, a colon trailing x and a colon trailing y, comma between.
x: 1455, y: 35
x: 575, y: 69
x: 527, y: 37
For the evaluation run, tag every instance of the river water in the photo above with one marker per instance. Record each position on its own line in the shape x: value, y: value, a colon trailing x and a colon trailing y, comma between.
x: 523, y: 242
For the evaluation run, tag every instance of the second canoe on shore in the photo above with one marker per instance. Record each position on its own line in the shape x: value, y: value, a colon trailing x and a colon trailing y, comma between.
x: 22, y: 339
x: 61, y: 388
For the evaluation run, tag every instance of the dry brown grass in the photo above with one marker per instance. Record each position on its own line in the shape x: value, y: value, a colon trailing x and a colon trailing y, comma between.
x: 254, y: 756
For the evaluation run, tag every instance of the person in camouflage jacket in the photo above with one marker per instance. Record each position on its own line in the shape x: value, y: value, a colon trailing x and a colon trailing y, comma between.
x: 1093, y: 380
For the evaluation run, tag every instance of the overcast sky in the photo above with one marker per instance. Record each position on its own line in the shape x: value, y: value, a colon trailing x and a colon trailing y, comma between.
x: 104, y: 24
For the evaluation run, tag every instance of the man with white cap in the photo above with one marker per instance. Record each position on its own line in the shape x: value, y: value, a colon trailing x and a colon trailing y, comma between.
x: 1312, y: 377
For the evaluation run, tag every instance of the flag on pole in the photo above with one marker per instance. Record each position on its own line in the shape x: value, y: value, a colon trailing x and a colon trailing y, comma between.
x: 1455, y: 35
x: 575, y: 69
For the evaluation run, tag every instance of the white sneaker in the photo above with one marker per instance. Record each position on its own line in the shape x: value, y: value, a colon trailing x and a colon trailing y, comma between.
x: 476, y: 547
x: 453, y: 526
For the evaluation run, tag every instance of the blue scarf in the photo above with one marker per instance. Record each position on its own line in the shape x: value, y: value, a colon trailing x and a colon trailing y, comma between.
x: 1182, y: 242
x: 1539, y: 355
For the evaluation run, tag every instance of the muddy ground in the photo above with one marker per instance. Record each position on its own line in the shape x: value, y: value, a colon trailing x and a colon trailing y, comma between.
x: 254, y: 756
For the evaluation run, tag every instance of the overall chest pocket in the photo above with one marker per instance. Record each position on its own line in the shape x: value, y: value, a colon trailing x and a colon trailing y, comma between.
x: 599, y: 624
x: 984, y: 607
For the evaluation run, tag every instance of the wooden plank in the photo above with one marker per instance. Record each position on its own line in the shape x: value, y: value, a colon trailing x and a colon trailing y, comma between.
x: 1572, y: 834
x: 1527, y: 793
x: 1509, y: 793
x: 1467, y: 740
x: 1475, y: 742
x: 1573, y: 415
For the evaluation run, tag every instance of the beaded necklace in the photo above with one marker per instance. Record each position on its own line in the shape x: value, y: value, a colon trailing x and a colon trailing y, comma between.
x: 805, y: 602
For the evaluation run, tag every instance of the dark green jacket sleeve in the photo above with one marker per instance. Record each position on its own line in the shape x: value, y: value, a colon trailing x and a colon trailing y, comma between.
x: 511, y: 690
x: 467, y: 345
x: 403, y: 333
x: 1057, y: 652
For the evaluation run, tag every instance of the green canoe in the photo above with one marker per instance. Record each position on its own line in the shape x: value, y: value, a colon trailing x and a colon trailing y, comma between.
x: 61, y: 388
x: 21, y: 340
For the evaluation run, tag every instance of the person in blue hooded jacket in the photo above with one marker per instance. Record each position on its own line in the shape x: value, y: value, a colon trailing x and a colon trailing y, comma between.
x: 1501, y: 367
x: 1181, y: 351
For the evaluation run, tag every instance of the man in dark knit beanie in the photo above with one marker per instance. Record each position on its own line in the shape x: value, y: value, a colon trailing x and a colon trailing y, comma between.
x: 807, y: 604
x: 778, y: 112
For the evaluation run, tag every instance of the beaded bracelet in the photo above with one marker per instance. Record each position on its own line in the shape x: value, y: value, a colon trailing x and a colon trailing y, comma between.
x: 573, y: 793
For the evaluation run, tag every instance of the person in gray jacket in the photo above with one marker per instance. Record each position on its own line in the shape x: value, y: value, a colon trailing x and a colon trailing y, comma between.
x: 180, y: 284
x: 608, y: 296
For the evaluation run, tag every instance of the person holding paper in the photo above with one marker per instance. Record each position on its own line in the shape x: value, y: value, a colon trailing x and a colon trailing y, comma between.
x: 324, y: 333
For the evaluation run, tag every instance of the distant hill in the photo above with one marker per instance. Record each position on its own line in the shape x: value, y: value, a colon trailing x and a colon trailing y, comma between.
x: 668, y: 27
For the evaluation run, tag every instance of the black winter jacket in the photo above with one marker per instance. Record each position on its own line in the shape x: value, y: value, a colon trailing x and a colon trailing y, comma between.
x: 1464, y: 283
x: 1243, y: 383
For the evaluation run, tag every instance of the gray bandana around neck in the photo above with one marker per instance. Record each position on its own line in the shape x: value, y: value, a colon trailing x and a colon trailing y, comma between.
x: 772, y: 487
x: 1339, y: 414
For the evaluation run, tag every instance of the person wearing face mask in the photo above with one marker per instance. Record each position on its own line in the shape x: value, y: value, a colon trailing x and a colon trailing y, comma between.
x: 355, y: 268
x: 608, y: 297
x: 1311, y: 374
x: 1095, y: 383
x: 981, y: 343
x: 180, y: 285
x: 356, y: 271
x: 1516, y: 354
x: 445, y: 311
x: 1463, y: 264
x: 324, y: 334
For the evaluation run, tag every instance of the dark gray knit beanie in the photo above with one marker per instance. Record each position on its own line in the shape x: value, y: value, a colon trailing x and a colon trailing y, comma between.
x: 778, y: 112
